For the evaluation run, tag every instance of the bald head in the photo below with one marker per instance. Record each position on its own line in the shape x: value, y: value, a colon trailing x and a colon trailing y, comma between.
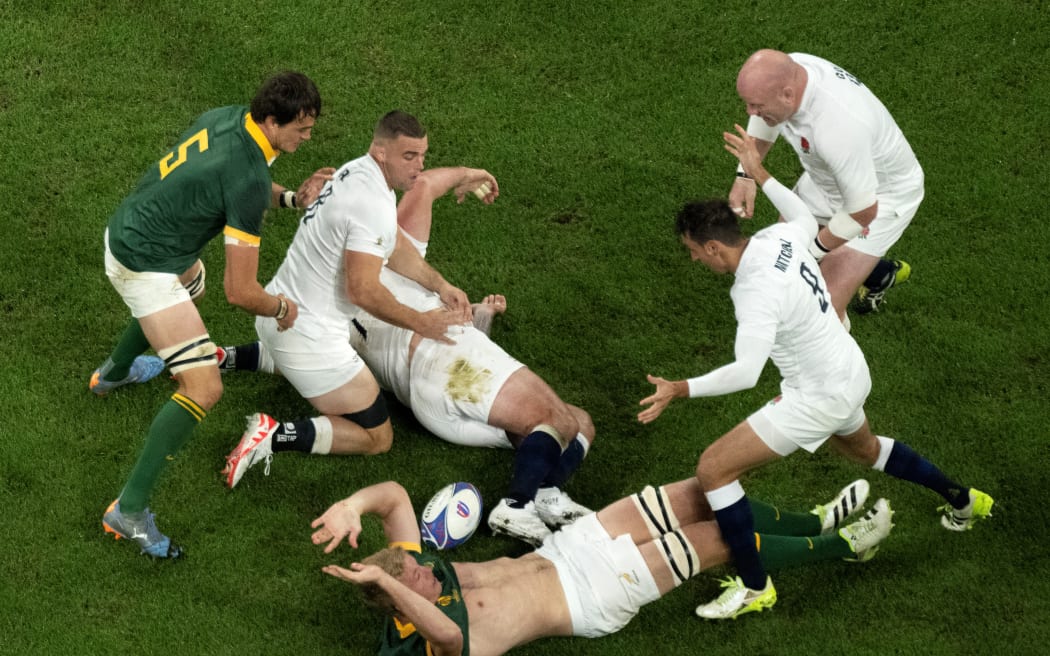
x: 771, y: 84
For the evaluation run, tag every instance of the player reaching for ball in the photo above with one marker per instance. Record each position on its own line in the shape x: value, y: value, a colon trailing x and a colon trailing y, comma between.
x: 469, y: 392
x: 587, y: 579
x: 784, y: 314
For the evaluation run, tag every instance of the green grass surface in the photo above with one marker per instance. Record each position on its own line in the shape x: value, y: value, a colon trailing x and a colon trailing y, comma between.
x: 599, y: 119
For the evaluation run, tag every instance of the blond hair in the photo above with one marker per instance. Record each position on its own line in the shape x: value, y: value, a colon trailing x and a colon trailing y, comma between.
x: 392, y: 561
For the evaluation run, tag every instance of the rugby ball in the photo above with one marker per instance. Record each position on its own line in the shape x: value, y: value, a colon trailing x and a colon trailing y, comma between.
x: 451, y: 516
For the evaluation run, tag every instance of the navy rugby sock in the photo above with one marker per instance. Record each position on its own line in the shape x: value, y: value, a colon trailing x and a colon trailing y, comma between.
x: 738, y: 530
x: 294, y: 436
x: 536, y: 456
x: 568, y: 463
x: 881, y: 277
x: 240, y: 358
x: 906, y: 464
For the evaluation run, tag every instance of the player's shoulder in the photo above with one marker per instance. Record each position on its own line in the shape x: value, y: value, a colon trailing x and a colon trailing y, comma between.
x: 360, y: 171
x: 221, y: 120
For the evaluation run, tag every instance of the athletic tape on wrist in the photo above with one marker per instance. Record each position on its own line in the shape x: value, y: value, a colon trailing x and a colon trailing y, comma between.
x: 844, y: 226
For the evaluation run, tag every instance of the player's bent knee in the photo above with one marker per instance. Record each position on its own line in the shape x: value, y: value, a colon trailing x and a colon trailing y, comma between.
x: 375, y: 419
x: 190, y: 355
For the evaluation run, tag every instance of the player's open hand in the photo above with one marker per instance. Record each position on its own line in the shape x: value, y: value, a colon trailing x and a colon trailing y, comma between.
x: 666, y: 391
x: 310, y: 189
x: 436, y: 323
x: 358, y: 574
x: 455, y: 299
x: 338, y: 522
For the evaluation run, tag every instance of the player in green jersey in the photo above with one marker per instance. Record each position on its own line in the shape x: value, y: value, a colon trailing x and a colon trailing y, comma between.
x: 215, y: 180
x: 588, y: 579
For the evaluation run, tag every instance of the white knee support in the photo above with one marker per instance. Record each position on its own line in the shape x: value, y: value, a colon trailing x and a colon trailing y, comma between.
x: 655, y: 508
x: 196, y: 286
x: 195, y: 352
x: 680, y: 556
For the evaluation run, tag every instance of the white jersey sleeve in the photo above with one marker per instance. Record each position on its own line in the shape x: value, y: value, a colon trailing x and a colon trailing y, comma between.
x: 743, y: 373
x: 791, y: 207
x: 780, y: 291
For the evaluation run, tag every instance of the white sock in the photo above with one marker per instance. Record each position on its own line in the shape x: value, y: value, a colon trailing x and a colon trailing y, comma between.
x: 323, y: 438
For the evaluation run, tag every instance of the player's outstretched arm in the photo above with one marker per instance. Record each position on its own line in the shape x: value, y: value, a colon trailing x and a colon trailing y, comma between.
x: 389, y: 501
x: 415, y: 211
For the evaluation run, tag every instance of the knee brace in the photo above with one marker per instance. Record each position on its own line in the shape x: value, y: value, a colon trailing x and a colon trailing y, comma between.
x: 372, y: 416
x: 196, y: 286
x: 655, y: 508
x: 195, y: 352
x: 680, y: 556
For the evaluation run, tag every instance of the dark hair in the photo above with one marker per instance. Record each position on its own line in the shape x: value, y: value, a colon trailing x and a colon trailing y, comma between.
x: 396, y: 123
x: 705, y: 220
x: 286, y: 96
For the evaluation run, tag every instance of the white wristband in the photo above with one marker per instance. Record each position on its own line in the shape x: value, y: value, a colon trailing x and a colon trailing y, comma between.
x: 844, y: 226
x: 288, y: 198
x: 817, y: 249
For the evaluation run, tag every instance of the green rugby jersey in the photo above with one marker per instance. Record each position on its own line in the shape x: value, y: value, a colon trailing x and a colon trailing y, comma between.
x: 402, y: 639
x: 217, y: 179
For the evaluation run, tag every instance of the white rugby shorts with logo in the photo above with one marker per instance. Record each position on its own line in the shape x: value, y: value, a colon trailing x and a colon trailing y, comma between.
x: 605, y: 579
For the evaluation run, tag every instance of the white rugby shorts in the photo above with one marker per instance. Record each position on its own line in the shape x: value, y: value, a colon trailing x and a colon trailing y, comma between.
x: 894, y: 215
x: 313, y: 366
x: 795, y: 420
x: 453, y: 387
x: 605, y: 580
x: 144, y: 292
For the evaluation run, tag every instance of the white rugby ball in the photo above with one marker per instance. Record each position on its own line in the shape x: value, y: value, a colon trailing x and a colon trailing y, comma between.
x: 451, y: 516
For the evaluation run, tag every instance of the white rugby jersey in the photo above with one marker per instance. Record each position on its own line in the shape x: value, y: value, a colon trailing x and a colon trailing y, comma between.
x: 784, y: 312
x: 847, y: 140
x: 356, y: 211
x: 779, y: 295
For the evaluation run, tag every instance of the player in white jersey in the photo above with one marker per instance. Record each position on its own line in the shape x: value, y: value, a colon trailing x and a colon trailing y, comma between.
x: 783, y: 312
x: 332, y: 270
x: 472, y: 392
x: 861, y: 180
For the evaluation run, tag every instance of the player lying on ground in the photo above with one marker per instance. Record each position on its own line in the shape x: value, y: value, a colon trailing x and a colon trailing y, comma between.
x: 471, y: 392
x: 588, y: 579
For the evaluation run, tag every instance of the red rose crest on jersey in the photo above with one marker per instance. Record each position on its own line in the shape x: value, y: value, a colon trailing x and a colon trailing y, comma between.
x: 805, y: 145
